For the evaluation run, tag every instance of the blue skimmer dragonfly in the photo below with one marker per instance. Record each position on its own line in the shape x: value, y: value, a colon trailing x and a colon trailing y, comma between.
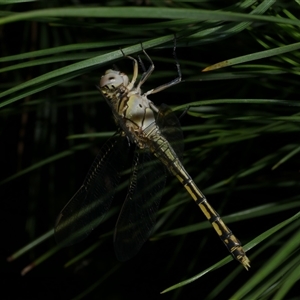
x: 155, y: 133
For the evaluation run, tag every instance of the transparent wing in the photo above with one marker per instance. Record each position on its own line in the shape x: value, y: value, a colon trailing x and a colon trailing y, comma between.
x: 138, y: 214
x: 170, y: 128
x: 87, y: 207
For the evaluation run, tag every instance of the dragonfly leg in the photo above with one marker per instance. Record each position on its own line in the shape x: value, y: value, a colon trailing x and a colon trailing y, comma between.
x: 142, y: 65
x: 135, y: 70
x: 148, y: 72
x: 171, y: 83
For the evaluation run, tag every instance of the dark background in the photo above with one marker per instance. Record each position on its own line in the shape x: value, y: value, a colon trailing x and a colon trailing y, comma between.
x: 36, y: 127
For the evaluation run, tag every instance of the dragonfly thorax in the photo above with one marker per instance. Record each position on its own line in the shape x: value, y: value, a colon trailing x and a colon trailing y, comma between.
x: 138, y: 113
x: 132, y: 110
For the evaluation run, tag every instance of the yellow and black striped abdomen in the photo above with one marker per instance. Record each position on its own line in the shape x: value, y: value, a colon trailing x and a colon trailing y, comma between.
x: 166, y: 154
x: 231, y: 242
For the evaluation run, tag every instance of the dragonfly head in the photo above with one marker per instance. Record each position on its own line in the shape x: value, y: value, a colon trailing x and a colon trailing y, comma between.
x: 111, y: 80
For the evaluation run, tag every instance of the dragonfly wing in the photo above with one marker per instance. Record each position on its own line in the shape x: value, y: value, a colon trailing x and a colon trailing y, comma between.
x: 170, y: 128
x: 138, y: 214
x: 87, y: 207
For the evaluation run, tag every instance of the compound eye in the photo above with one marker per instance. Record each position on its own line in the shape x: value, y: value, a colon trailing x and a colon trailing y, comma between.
x: 113, y: 79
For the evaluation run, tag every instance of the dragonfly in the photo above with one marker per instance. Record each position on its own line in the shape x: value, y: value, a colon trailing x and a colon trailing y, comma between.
x: 155, y: 134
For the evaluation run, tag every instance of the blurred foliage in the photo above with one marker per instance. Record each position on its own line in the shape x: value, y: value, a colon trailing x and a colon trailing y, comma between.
x: 241, y: 144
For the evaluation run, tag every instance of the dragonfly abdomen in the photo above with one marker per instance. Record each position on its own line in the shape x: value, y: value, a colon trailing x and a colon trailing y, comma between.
x: 231, y: 242
x: 163, y: 150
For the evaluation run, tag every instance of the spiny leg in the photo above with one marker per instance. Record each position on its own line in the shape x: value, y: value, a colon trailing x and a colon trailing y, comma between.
x: 147, y: 73
x: 171, y: 83
x: 135, y: 70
